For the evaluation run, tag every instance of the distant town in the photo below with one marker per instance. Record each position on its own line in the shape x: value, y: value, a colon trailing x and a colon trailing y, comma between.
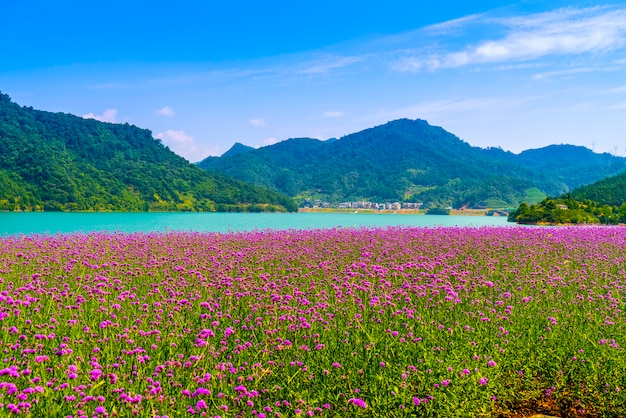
x: 309, y: 203
x: 407, y: 207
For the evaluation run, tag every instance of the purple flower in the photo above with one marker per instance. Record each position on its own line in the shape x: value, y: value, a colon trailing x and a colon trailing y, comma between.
x: 95, y: 374
x: 201, y: 391
x: 358, y: 402
x: 483, y: 381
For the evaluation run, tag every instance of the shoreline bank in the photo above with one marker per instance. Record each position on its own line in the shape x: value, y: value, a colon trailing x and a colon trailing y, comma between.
x: 349, y: 211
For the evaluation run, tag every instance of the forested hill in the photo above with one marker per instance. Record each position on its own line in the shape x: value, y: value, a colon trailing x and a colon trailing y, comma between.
x: 57, y: 161
x: 610, y: 191
x: 601, y: 202
x: 410, y: 160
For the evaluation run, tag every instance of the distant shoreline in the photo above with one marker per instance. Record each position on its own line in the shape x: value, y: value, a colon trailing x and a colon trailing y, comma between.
x: 347, y: 211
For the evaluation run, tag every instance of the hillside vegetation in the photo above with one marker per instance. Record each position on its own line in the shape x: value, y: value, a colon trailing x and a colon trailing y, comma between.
x: 412, y: 161
x: 57, y: 161
x: 601, y: 202
x: 610, y: 191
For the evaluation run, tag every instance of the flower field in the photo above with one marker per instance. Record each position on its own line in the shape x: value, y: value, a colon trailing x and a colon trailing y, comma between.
x: 386, y: 322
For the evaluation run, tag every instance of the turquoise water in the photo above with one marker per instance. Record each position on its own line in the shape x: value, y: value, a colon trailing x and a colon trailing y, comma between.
x: 12, y: 223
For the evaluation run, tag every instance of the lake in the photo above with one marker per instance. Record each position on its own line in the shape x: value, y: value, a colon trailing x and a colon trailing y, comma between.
x: 24, y: 223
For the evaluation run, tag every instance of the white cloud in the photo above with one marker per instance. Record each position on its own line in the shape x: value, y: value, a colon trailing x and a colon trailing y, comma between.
x: 166, y: 111
x: 270, y: 141
x: 560, y: 73
x: 258, y: 123
x: 333, y: 114
x: 186, y: 145
x: 525, y: 38
x: 324, y: 66
x: 620, y: 89
x: 557, y: 33
x: 107, y: 116
x: 451, y: 25
x: 175, y: 137
x: 444, y: 111
x: 436, y: 108
x: 408, y: 64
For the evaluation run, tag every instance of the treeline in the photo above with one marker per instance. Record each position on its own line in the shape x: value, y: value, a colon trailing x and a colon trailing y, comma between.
x: 412, y: 161
x: 561, y: 211
x: 602, y: 202
x: 55, y: 161
x: 610, y: 191
x: 404, y: 160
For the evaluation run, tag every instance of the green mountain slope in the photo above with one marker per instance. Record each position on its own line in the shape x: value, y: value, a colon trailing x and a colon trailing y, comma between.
x: 56, y: 161
x: 408, y: 160
x: 601, y: 202
x: 610, y: 191
x: 571, y: 165
x: 238, y: 148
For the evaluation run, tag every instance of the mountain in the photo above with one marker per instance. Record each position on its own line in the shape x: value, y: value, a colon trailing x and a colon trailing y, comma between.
x: 410, y: 160
x: 601, y: 202
x: 572, y: 165
x: 57, y: 161
x: 238, y: 148
x: 610, y: 191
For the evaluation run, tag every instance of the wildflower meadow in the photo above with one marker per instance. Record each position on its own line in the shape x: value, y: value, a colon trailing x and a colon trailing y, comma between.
x: 389, y: 322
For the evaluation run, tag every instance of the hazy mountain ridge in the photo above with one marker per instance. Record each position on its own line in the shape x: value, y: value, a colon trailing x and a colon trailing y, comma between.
x: 57, y: 161
x: 410, y: 160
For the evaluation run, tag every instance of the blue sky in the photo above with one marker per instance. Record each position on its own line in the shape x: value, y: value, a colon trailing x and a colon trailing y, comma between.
x: 202, y: 75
